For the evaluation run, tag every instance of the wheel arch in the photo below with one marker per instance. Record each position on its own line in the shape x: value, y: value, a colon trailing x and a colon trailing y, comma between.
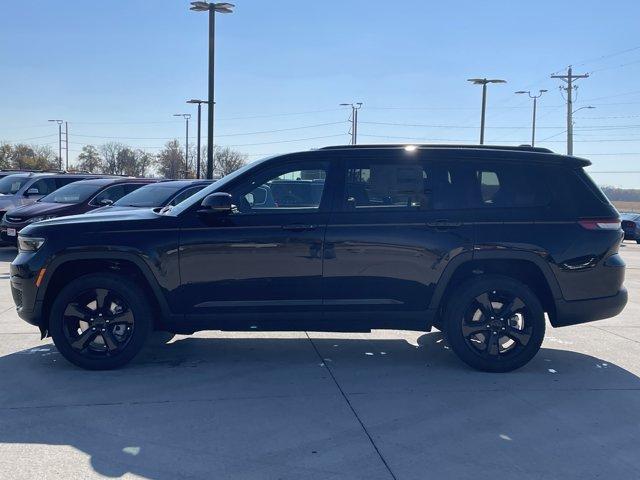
x: 528, y: 268
x: 71, y: 266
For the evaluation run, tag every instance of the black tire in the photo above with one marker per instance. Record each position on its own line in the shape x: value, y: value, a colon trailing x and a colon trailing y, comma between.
x: 494, y: 323
x: 124, y: 303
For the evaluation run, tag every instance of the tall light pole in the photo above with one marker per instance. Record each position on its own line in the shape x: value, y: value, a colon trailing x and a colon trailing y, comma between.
x: 186, y: 117
x: 354, y: 120
x: 199, y: 103
x: 212, y: 8
x: 59, y: 122
x: 570, y: 135
x: 533, y: 122
x: 484, y: 82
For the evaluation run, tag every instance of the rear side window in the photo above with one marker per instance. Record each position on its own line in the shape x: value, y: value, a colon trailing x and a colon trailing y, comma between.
x: 396, y: 186
x: 504, y: 186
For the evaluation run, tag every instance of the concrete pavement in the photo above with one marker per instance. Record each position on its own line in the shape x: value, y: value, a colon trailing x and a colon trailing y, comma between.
x: 384, y: 405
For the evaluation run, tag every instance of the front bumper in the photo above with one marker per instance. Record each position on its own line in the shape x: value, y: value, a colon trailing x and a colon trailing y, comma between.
x: 24, y: 292
x: 582, y: 311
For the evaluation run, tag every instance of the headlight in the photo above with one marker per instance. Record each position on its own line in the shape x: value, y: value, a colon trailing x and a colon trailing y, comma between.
x: 39, y: 219
x: 29, y: 244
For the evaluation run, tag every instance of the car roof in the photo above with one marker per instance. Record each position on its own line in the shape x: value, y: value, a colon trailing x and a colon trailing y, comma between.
x: 99, y: 181
x: 494, y: 152
x: 185, y: 183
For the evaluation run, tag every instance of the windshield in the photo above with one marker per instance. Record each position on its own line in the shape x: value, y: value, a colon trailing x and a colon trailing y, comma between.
x: 73, y: 193
x: 12, y: 183
x: 149, y: 196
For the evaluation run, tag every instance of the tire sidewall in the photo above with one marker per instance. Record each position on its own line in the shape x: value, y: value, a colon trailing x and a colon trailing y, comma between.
x: 129, y: 291
x: 459, y: 302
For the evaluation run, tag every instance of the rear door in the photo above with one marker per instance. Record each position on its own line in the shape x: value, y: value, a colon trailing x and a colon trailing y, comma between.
x: 400, y: 219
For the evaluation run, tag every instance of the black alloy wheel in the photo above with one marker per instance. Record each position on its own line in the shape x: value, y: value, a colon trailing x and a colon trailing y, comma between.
x: 100, y: 321
x: 494, y: 323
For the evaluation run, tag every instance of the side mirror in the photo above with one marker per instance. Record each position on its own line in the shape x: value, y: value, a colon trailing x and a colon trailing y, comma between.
x: 105, y: 202
x: 218, y: 202
x: 32, y: 191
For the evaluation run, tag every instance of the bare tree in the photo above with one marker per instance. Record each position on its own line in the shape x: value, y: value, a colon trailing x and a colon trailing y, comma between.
x: 28, y: 157
x: 170, y: 160
x: 90, y: 160
x: 227, y: 160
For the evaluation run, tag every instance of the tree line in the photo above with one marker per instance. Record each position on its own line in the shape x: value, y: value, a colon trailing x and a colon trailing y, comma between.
x: 114, y: 158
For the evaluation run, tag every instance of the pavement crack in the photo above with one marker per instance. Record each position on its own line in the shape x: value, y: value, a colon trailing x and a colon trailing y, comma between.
x: 353, y: 410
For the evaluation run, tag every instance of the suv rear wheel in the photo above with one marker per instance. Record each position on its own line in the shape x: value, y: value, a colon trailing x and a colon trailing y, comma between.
x: 494, y: 323
x: 100, y: 321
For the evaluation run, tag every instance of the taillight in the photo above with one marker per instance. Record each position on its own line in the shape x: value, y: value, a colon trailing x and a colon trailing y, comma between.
x: 600, y: 224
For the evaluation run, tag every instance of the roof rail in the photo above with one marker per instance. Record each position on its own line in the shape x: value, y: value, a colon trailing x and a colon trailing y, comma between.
x: 526, y: 148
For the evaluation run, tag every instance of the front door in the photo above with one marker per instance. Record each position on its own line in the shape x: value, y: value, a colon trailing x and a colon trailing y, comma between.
x: 399, y: 221
x: 260, y: 266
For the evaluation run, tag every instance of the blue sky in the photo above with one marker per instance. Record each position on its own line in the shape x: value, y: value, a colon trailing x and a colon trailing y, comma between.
x: 118, y: 70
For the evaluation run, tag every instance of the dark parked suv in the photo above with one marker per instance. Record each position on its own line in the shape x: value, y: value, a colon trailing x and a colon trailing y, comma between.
x: 479, y: 242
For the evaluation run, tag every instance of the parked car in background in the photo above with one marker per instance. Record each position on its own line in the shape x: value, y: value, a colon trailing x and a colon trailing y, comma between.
x: 72, y: 199
x: 161, y: 194
x: 631, y: 226
x: 26, y: 188
x: 482, y: 242
x: 4, y: 173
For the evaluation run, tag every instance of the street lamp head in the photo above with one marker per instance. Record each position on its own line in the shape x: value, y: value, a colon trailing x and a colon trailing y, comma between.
x: 521, y: 91
x: 484, y: 81
x: 193, y: 100
x: 57, y: 121
x: 222, y: 7
x: 543, y: 91
x: 199, y: 6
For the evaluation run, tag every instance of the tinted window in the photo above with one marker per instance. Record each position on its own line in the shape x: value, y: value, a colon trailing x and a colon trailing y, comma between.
x: 371, y: 184
x: 186, y: 194
x: 75, y: 192
x: 154, y: 195
x: 292, y: 186
x: 452, y: 186
x: 11, y: 184
x: 113, y: 193
x: 502, y: 185
x: 43, y: 186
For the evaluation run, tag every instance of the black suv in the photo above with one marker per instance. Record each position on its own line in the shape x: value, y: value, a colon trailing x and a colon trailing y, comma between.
x: 480, y: 242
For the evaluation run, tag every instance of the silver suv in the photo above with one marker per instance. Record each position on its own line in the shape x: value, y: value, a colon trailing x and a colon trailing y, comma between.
x: 26, y: 188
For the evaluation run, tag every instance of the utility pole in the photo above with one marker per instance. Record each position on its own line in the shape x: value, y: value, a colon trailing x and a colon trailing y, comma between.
x: 533, y: 121
x: 568, y: 79
x: 199, y: 103
x: 354, y: 120
x: 66, y: 145
x: 484, y: 82
x: 59, y: 122
x: 186, y: 116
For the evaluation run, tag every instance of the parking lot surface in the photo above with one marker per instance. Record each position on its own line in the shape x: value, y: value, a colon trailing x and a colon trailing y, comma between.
x: 384, y: 405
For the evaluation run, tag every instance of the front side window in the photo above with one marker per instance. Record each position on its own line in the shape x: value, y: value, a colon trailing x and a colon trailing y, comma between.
x: 504, y: 185
x: 113, y: 193
x: 283, y: 188
x: 186, y: 194
x: 10, y: 184
x: 42, y: 187
x: 396, y: 186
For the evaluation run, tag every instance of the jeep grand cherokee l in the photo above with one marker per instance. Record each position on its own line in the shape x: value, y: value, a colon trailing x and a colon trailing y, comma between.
x: 480, y: 242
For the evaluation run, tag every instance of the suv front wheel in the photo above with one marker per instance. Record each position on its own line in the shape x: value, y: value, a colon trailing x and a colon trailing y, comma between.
x: 494, y: 323
x: 100, y: 321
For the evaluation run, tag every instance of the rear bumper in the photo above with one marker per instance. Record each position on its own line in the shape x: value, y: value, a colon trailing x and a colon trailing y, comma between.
x: 582, y: 311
